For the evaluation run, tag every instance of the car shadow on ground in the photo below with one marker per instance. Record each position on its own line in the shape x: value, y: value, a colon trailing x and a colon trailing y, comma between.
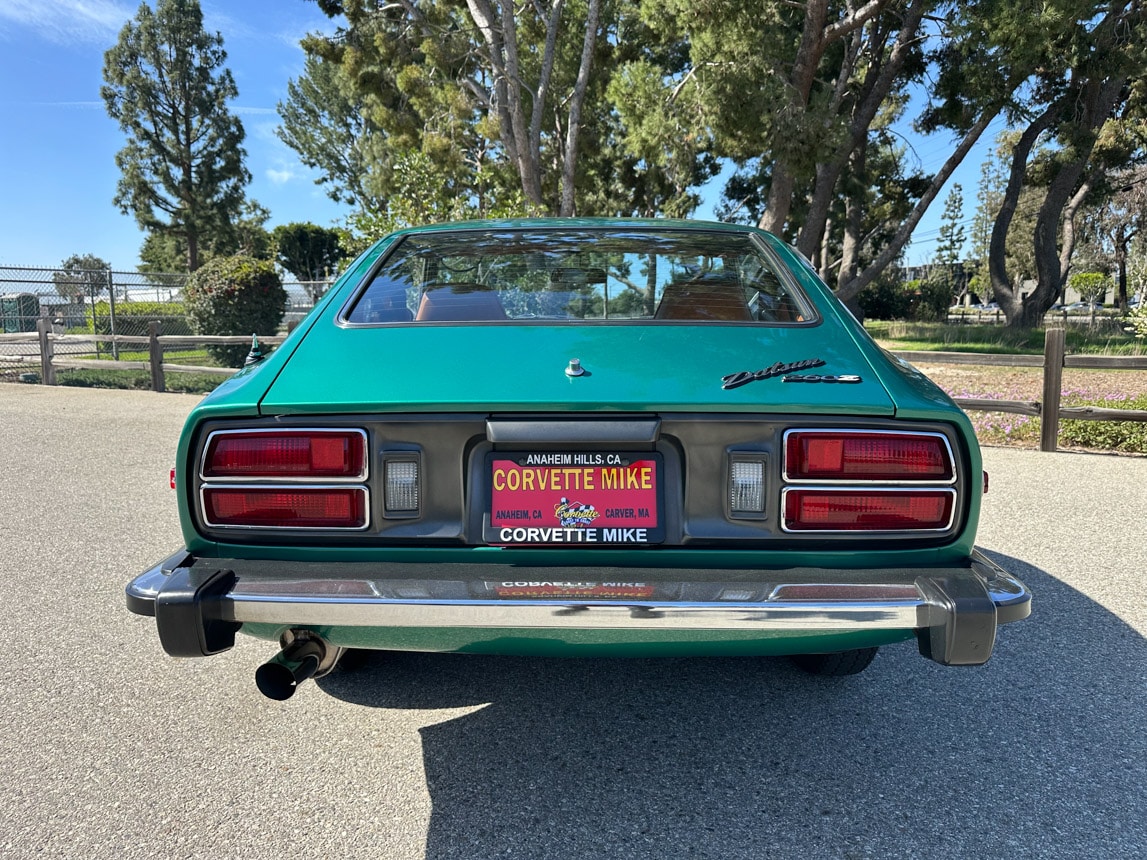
x: 1039, y: 753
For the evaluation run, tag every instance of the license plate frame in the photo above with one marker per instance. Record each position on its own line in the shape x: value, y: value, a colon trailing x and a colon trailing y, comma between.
x: 574, y: 498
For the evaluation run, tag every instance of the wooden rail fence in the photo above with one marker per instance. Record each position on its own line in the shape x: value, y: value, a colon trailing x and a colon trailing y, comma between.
x: 1049, y: 409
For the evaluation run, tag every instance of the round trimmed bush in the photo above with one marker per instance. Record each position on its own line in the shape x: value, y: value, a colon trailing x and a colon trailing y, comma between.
x: 233, y: 296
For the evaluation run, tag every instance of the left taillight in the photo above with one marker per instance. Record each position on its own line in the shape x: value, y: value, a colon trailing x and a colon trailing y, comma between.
x: 285, y: 479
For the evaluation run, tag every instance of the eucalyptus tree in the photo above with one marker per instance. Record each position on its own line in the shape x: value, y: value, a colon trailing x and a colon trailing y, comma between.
x: 1093, y: 73
x: 165, y: 83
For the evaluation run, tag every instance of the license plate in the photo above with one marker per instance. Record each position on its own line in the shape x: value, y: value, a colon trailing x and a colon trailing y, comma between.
x: 578, y: 499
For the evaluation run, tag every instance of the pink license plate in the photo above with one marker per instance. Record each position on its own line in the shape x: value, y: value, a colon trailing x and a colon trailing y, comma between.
x: 574, y: 498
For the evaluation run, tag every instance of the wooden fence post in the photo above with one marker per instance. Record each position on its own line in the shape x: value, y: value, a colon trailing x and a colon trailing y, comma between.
x: 155, y: 354
x: 1053, y: 352
x: 47, y: 371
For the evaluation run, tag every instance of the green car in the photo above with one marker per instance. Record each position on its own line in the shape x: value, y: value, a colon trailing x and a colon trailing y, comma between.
x: 579, y: 438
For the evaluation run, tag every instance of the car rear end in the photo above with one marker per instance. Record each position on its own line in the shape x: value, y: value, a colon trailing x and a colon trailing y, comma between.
x: 511, y: 439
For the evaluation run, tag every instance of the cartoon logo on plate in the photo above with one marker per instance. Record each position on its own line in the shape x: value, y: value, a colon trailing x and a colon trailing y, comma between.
x: 575, y: 514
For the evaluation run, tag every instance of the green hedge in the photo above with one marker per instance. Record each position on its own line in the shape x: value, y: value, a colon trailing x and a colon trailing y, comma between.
x: 132, y: 318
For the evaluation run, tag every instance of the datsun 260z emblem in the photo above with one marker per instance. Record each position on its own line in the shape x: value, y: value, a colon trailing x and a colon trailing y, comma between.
x: 847, y: 378
x: 736, y: 380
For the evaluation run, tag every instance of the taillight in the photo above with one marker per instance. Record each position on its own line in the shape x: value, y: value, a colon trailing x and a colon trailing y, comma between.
x: 293, y: 454
x: 844, y: 456
x: 868, y: 481
x: 285, y: 507
x: 868, y: 510
x: 289, y: 478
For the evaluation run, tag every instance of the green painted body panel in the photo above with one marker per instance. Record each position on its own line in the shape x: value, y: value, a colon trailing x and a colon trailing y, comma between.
x: 589, y: 643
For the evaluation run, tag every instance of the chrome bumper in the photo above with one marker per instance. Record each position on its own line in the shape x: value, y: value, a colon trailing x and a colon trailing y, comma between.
x: 200, y: 603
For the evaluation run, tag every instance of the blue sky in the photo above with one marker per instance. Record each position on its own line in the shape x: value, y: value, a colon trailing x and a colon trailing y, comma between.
x: 58, y: 146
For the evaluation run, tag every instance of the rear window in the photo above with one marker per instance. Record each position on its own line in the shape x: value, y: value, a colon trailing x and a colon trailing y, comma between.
x: 555, y: 276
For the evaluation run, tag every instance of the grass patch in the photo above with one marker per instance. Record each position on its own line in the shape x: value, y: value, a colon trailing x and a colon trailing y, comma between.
x: 185, y: 383
x: 941, y: 337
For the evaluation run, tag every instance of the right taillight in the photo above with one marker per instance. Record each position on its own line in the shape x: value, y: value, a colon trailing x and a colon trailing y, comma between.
x: 855, y: 510
x: 822, y: 455
x: 856, y: 481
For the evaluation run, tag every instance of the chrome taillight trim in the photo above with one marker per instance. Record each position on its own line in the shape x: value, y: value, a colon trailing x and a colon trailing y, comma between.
x: 845, y: 482
x: 868, y: 488
x: 363, y: 475
x: 280, y: 487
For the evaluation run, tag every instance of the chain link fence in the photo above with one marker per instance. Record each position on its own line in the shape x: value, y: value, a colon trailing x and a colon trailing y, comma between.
x: 105, y: 302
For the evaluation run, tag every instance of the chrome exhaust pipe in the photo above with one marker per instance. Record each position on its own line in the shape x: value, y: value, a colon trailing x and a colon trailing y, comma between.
x: 280, y: 676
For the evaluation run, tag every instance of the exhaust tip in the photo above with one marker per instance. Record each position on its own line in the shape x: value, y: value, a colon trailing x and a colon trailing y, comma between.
x: 280, y: 676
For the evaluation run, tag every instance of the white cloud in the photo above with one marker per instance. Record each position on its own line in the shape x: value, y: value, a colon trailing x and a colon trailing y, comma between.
x: 68, y: 22
x: 280, y: 177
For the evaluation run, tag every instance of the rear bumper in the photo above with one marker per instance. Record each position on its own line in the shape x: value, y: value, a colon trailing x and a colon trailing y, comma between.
x: 200, y: 603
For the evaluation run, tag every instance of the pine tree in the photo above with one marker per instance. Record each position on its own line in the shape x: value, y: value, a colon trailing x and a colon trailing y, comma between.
x: 166, y: 85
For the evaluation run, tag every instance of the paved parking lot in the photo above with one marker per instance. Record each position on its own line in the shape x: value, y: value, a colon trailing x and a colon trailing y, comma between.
x: 112, y: 749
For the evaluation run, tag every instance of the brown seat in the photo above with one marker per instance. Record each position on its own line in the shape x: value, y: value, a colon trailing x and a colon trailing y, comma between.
x: 460, y: 303
x: 700, y: 300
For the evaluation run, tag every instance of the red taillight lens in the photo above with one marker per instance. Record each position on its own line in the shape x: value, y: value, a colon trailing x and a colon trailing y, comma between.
x: 827, y: 455
x: 868, y: 510
x: 286, y: 454
x: 300, y: 508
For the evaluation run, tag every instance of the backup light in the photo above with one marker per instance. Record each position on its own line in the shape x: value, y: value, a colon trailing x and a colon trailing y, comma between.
x: 279, y: 507
x: 746, y: 485
x: 401, y: 481
x: 868, y: 510
x: 317, y: 454
x: 828, y: 455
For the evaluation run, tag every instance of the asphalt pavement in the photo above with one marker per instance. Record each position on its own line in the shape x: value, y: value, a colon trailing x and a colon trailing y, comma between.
x: 110, y: 748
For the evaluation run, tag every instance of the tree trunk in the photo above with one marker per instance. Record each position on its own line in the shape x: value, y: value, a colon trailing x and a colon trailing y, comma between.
x: 1002, y: 288
x: 896, y: 246
x: 816, y: 36
x: 569, y: 167
x: 874, y: 96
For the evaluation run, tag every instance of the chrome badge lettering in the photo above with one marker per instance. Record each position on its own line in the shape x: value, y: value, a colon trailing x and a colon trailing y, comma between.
x: 735, y: 380
x: 847, y: 378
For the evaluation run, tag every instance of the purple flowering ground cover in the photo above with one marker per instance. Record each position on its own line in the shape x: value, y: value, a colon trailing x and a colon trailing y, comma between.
x: 1109, y: 389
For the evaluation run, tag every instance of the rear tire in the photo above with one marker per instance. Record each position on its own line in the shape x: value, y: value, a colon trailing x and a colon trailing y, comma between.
x: 836, y: 665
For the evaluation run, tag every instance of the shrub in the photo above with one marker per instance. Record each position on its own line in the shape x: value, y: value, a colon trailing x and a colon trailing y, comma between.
x: 133, y: 317
x: 884, y: 299
x: 930, y: 299
x: 1128, y: 436
x: 233, y: 296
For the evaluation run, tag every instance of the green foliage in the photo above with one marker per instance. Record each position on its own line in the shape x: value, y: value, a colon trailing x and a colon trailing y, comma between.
x: 139, y: 380
x: 82, y: 275
x: 235, y: 296
x: 885, y: 299
x: 930, y: 299
x: 1128, y: 436
x: 1137, y: 322
x: 324, y: 121
x: 1091, y: 286
x: 181, y: 172
x: 951, y: 242
x: 307, y: 251
x: 133, y: 317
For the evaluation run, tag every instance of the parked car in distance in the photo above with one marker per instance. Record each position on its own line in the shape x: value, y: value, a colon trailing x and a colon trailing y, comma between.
x: 1083, y: 307
x: 579, y: 437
